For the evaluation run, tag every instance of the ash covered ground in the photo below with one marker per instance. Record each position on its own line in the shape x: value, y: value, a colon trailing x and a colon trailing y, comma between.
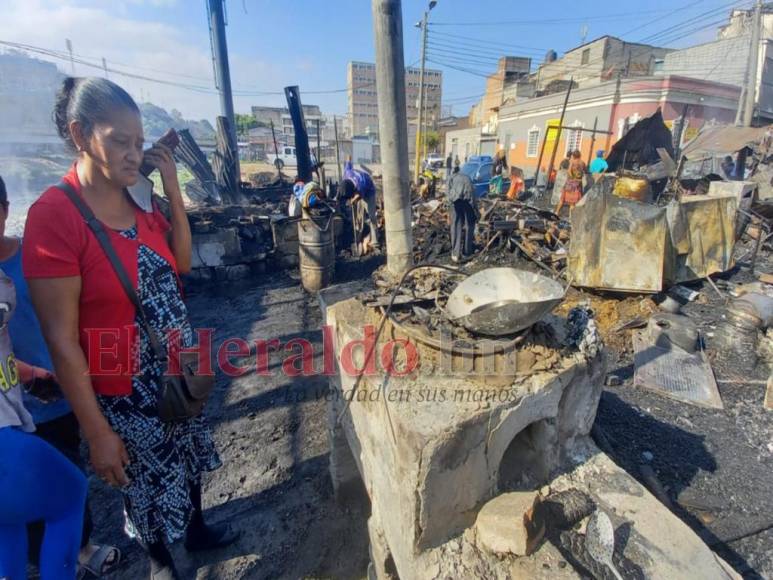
x: 716, y: 466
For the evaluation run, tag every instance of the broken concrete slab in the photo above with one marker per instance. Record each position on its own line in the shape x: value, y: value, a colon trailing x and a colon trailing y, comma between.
x: 505, y: 525
x: 217, y: 248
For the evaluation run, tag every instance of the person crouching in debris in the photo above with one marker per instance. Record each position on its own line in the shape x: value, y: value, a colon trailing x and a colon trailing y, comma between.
x: 311, y: 195
x: 461, y: 198
x: 90, y: 322
x: 358, y: 187
x: 572, y: 191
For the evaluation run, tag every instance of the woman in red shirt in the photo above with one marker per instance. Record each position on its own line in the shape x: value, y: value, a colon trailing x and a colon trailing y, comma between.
x: 89, y: 322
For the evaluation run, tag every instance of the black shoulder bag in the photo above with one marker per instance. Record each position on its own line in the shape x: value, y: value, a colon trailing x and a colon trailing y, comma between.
x: 182, y: 395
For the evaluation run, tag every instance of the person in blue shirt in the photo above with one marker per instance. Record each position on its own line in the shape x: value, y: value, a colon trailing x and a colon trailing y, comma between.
x: 598, y: 165
x: 54, y: 420
x: 358, y: 185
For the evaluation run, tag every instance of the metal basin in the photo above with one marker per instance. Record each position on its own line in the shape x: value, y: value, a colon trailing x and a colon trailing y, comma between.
x: 501, y: 301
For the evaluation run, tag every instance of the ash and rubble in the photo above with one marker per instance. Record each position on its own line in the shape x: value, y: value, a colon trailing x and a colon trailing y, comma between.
x: 701, y: 237
x: 607, y: 443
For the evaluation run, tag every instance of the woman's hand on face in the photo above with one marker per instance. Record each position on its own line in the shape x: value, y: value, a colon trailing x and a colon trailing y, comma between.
x: 162, y: 158
x: 109, y: 457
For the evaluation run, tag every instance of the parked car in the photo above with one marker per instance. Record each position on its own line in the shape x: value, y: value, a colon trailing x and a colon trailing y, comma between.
x: 286, y: 157
x: 435, y: 161
x: 478, y: 168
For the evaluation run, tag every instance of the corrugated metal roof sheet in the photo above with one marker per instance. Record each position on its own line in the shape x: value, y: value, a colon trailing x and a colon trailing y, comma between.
x: 723, y: 140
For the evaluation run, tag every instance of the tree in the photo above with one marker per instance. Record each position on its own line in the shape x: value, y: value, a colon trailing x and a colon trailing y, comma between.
x: 433, y: 140
x: 244, y: 123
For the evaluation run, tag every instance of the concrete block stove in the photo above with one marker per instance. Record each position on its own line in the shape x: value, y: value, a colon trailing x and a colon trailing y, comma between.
x: 433, y: 446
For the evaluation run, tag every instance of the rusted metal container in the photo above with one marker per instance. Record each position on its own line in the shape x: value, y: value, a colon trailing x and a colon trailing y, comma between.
x: 317, y: 251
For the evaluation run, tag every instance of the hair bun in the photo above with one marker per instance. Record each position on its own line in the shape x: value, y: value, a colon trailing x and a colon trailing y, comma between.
x: 61, y: 107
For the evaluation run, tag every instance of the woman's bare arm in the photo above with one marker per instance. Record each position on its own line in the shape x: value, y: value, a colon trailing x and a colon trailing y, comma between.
x: 56, y: 304
x: 179, y: 238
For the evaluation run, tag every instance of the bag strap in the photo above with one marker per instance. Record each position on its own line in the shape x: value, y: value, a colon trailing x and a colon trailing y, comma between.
x: 104, y: 241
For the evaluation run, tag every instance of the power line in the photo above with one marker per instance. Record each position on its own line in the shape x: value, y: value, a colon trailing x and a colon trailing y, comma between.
x: 553, y: 21
x: 187, y: 86
x: 482, y: 42
x: 498, y: 53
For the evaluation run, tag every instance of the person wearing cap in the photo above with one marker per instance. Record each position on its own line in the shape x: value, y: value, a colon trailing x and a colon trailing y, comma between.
x: 598, y: 165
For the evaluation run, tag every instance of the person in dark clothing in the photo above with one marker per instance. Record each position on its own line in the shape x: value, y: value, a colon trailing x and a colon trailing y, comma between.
x: 449, y: 167
x: 461, y: 197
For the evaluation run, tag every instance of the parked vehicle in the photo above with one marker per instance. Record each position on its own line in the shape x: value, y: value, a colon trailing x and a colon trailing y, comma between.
x: 478, y: 168
x: 286, y: 157
x: 435, y: 161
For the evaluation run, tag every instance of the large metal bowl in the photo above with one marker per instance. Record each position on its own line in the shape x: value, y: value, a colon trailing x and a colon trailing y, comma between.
x: 500, y: 301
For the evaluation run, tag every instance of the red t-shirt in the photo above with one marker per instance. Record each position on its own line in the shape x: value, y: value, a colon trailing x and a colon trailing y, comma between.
x: 58, y: 244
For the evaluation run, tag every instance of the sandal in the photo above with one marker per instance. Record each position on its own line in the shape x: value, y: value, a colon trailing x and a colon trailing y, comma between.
x: 103, y: 560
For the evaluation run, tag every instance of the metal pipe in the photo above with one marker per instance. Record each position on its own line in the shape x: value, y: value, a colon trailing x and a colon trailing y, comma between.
x: 417, y: 162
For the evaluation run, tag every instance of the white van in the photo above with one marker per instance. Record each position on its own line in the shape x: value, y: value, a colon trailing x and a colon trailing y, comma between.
x: 286, y: 157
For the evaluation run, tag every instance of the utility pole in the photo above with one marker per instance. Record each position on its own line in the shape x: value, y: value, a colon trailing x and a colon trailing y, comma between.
x: 104, y: 66
x: 420, y: 120
x: 751, y: 67
x: 222, y: 73
x: 339, y: 174
x: 393, y: 131
x: 68, y: 44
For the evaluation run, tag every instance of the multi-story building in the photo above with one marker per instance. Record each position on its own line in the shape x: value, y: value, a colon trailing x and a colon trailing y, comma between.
x: 510, y: 71
x: 599, y: 61
x: 726, y: 59
x: 363, y: 101
x: 283, y: 123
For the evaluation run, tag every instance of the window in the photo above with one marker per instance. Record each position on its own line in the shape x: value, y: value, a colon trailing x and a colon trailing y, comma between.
x: 484, y: 173
x: 585, y: 59
x: 532, y: 142
x: 574, y: 139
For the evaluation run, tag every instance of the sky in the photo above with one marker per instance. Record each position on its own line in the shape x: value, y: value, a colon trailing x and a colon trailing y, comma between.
x: 275, y: 43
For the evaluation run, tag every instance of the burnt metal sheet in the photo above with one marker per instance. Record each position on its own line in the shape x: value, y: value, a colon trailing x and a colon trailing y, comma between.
x: 617, y: 244
x: 674, y: 373
x: 723, y: 140
x: 702, y: 233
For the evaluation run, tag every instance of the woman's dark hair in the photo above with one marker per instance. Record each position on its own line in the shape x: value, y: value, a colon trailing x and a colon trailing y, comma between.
x: 89, y: 100
x: 348, y: 188
x: 3, y: 193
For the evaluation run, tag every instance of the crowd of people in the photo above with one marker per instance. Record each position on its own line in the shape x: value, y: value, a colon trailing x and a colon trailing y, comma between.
x: 60, y: 392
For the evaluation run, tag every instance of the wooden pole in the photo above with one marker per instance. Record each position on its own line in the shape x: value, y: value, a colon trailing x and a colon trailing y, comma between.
x: 560, y: 124
x: 320, y: 168
x: 339, y: 173
x: 273, y: 134
x: 592, y: 140
x: 393, y: 133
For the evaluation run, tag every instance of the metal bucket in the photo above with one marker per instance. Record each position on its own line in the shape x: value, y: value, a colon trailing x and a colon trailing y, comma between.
x: 317, y: 252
